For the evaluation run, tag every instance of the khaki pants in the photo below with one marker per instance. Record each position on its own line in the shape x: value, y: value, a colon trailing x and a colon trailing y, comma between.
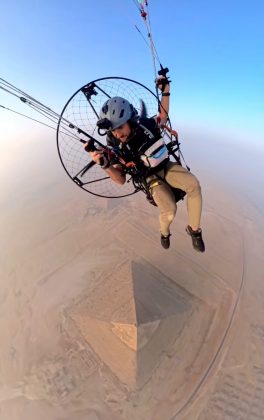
x: 178, y: 177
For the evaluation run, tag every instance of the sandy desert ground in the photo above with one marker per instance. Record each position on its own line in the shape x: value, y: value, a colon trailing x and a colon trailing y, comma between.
x: 98, y: 322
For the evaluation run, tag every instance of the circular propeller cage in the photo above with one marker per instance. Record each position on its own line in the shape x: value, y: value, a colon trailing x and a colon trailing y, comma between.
x: 80, y: 115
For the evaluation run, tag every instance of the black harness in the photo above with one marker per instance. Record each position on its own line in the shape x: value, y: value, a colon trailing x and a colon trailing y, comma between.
x: 146, y: 133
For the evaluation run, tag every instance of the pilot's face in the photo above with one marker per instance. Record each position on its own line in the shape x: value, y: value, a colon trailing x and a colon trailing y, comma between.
x: 122, y: 133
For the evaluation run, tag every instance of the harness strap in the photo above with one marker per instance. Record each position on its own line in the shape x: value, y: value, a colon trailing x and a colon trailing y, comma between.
x: 170, y: 130
x: 147, y: 131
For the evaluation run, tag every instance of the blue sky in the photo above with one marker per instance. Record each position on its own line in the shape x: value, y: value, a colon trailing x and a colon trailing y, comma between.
x: 215, y: 52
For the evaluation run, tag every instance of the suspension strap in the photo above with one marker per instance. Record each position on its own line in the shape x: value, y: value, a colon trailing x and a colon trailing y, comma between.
x: 170, y: 130
x: 143, y: 8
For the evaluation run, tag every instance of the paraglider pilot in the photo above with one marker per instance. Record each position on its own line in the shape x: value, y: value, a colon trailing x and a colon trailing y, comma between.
x: 141, y: 141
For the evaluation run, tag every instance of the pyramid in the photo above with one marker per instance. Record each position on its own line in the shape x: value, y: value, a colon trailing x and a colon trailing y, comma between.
x: 133, y: 319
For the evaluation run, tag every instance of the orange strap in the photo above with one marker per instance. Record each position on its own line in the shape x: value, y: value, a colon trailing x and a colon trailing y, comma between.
x: 170, y: 130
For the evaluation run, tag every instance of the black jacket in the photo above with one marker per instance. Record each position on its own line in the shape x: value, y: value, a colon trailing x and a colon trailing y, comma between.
x: 146, y: 133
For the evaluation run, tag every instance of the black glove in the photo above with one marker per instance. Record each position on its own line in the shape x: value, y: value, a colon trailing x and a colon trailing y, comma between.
x: 104, y: 161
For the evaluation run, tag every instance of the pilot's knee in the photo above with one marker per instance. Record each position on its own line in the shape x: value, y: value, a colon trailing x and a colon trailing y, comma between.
x: 169, y: 214
x: 194, y: 188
